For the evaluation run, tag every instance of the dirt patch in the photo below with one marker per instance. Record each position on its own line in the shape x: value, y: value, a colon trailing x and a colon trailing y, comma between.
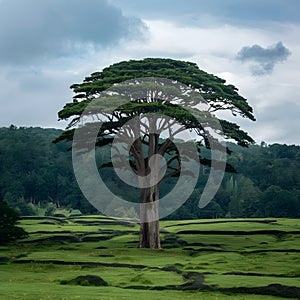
x: 195, y: 252
x: 195, y: 281
x: 61, y: 237
x: 106, y: 255
x: 101, y: 217
x: 220, y: 222
x: 96, y: 264
x: 275, y: 250
x: 103, y: 223
x: 172, y: 241
x: 88, y: 280
x: 205, y: 245
x: 114, y: 232
x: 4, y: 260
x: 171, y: 268
x: 47, y: 223
x: 96, y: 238
x: 22, y: 255
x: 272, y: 290
x: 58, y: 220
x: 229, y: 232
x: 55, y: 239
x: 260, y: 274
x: 67, y: 248
x: 197, y: 284
x: 59, y: 216
x: 51, y: 232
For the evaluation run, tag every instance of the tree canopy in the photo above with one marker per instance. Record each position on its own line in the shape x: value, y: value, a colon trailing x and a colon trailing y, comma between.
x: 218, y: 94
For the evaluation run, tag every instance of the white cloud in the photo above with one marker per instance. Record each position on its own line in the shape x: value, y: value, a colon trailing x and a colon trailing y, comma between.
x: 169, y: 38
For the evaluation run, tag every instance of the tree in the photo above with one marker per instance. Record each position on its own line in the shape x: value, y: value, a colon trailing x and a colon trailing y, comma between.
x: 154, y: 88
x: 279, y: 203
x: 8, y: 229
x: 244, y: 197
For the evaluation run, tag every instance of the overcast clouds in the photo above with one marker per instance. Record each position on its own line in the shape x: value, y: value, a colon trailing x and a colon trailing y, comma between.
x: 45, y: 46
x: 32, y: 30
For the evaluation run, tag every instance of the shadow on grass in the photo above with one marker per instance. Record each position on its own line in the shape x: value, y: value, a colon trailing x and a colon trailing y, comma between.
x: 88, y: 280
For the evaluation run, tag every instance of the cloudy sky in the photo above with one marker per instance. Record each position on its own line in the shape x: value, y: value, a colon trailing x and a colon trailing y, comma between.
x: 47, y: 45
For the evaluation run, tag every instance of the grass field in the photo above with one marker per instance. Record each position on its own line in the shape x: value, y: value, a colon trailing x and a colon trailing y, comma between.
x: 200, y: 259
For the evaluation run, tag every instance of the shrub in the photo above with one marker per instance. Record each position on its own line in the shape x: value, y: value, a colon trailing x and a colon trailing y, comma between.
x: 8, y: 220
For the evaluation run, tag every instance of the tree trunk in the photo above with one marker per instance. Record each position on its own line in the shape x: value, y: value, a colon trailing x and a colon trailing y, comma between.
x: 149, y: 196
x: 149, y: 215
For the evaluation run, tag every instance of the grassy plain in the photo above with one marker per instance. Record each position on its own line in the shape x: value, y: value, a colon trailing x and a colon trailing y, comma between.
x: 201, y: 259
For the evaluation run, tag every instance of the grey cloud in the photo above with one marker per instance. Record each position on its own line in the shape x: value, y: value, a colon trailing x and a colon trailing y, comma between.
x: 32, y: 97
x: 209, y: 13
x: 34, y: 29
x: 264, y: 59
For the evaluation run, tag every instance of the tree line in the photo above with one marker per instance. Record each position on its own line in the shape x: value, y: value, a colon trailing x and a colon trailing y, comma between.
x: 37, y: 175
x: 267, y: 184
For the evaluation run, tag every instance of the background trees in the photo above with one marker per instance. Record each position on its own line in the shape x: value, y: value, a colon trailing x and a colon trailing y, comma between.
x: 260, y: 166
x: 34, y: 172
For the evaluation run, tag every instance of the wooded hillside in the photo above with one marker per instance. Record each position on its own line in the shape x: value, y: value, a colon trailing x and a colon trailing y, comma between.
x: 37, y: 175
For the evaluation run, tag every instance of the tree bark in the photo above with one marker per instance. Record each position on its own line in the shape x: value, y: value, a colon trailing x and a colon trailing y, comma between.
x: 149, y: 196
x: 149, y: 215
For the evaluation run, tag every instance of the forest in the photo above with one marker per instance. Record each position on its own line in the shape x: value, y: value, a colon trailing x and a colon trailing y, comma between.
x: 36, y: 178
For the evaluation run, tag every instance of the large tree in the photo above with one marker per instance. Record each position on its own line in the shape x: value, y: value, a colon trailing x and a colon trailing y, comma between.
x: 160, y: 96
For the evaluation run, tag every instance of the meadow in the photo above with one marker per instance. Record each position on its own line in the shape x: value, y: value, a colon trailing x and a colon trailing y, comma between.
x: 96, y: 257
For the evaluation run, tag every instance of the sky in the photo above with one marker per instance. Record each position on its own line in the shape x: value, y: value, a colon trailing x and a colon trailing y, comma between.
x: 46, y: 46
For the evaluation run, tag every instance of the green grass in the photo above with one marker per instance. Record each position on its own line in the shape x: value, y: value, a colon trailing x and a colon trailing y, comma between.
x: 46, y: 291
x: 56, y: 251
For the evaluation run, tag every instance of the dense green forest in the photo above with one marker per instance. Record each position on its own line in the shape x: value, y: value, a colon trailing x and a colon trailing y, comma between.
x: 36, y: 177
x: 35, y: 173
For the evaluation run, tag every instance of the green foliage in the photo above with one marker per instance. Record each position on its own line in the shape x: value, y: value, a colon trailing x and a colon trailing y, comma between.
x: 124, y: 213
x: 35, y: 172
x: 50, y: 209
x: 8, y: 220
x: 210, y: 86
x: 273, y: 178
x: 244, y: 197
x: 276, y: 202
x: 213, y: 89
x: 267, y: 183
